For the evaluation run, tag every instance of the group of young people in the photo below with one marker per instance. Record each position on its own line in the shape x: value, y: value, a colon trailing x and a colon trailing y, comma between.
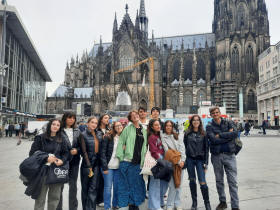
x: 113, y: 156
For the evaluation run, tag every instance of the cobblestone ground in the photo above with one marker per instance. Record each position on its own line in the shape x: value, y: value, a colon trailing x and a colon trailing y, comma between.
x: 258, y: 175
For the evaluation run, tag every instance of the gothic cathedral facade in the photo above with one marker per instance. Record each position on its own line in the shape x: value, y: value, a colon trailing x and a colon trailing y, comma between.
x: 187, y: 69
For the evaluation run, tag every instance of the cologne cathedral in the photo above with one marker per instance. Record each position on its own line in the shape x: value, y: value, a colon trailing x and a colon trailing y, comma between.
x: 187, y: 70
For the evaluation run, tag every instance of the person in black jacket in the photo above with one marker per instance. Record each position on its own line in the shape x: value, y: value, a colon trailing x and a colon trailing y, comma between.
x: 103, y: 124
x: 222, y: 134
x: 53, y: 143
x: 72, y: 136
x: 197, y: 152
x: 91, y: 189
x: 110, y: 164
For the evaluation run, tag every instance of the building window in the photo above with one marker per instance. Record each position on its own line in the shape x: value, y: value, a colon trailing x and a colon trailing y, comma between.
x: 251, y: 100
x: 275, y: 71
x: 261, y: 78
x: 273, y: 84
x: 235, y: 60
x: 268, y: 75
x: 249, y: 59
x: 200, y: 69
x: 174, y: 100
x: 176, y: 70
x: 188, y: 69
x: 265, y: 87
x: 276, y: 101
x: 188, y: 99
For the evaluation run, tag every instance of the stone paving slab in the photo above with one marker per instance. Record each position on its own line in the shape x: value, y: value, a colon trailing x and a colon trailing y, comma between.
x: 258, y: 175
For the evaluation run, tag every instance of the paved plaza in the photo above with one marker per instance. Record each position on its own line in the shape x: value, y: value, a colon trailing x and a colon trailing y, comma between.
x: 258, y: 174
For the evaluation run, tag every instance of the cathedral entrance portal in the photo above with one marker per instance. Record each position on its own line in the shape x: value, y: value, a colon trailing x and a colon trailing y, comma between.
x: 123, y: 101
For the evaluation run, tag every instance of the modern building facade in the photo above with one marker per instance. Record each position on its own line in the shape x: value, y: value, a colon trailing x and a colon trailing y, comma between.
x: 25, y: 76
x: 268, y: 88
x: 188, y: 69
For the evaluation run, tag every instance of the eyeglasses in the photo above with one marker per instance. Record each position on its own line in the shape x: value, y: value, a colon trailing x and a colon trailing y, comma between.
x: 118, y: 126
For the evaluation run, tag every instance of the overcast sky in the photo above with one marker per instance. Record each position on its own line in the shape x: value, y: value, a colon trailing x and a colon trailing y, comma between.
x: 64, y: 28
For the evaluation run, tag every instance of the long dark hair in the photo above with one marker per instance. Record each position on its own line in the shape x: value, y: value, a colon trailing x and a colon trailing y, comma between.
x: 112, y: 133
x: 100, y: 121
x: 67, y: 115
x: 200, y: 128
x: 150, y: 127
x: 48, y: 130
x: 173, y: 132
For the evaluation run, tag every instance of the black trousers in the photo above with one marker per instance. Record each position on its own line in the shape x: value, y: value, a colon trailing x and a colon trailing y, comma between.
x: 72, y: 199
x: 90, y: 188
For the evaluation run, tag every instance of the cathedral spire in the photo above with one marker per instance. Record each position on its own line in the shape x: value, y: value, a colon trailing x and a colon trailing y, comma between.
x: 142, y: 9
x: 143, y: 19
x: 126, y: 8
x: 137, y: 25
x: 115, y: 28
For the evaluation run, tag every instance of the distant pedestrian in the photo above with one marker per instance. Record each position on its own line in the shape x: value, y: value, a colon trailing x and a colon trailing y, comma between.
x: 11, y: 129
x: 22, y: 129
x: 247, y: 128
x: 7, y: 129
x: 264, y: 125
x: 17, y: 129
x: 82, y: 126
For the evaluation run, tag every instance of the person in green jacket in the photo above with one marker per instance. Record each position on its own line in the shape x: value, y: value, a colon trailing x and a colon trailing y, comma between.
x: 131, y: 151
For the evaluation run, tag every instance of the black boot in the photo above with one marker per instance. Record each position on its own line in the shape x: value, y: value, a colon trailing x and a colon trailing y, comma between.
x: 194, y: 195
x: 205, y: 195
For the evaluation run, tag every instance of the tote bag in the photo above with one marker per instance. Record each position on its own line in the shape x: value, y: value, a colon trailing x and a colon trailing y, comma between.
x: 149, y: 163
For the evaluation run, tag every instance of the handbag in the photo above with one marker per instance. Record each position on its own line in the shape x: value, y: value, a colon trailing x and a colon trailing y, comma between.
x: 58, y: 174
x: 238, y: 145
x: 149, y: 163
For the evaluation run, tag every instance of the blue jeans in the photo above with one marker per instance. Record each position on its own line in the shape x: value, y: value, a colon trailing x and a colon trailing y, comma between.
x: 110, y: 180
x: 193, y: 164
x: 157, y: 189
x: 174, y: 194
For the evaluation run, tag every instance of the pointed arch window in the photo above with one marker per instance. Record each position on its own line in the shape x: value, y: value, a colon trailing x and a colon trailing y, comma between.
x: 174, y: 100
x: 188, y: 99
x: 200, y: 69
x: 188, y: 69
x: 252, y: 100
x: 176, y: 70
x: 249, y: 59
x: 235, y: 60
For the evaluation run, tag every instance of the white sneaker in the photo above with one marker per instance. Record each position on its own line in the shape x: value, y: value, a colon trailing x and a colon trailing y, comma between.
x: 101, y: 204
x: 179, y: 208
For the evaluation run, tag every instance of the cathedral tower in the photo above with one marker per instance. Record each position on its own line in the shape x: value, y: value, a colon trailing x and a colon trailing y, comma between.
x: 241, y: 30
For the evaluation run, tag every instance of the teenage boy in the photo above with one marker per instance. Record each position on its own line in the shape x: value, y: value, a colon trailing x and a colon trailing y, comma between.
x: 143, y: 117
